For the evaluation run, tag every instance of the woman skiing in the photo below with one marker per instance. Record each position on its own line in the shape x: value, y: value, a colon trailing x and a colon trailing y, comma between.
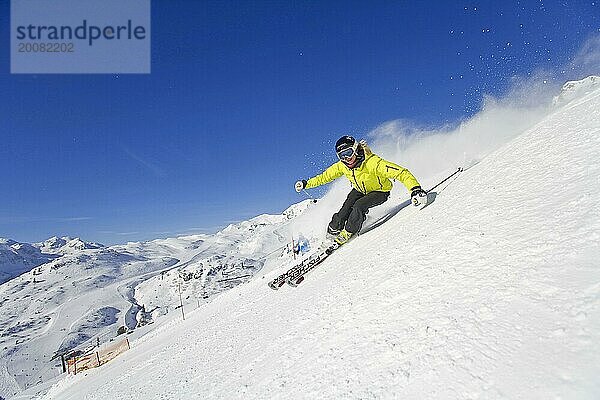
x: 370, y: 176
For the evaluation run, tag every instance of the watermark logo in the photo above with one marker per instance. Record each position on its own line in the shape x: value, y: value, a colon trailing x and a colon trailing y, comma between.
x: 80, y: 36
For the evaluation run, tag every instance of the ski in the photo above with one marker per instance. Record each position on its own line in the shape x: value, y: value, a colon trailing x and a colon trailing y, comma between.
x: 295, y: 275
x: 298, y: 276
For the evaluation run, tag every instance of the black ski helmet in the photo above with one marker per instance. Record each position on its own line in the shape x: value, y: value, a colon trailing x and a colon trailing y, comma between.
x: 343, y: 143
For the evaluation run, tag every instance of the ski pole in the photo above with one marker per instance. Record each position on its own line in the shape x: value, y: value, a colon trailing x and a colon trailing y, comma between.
x: 460, y: 169
x: 308, y: 195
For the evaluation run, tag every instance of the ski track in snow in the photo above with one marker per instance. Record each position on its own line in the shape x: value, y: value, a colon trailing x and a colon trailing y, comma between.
x: 492, y: 291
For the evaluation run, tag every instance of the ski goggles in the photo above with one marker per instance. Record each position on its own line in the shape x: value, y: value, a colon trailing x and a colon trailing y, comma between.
x: 346, y: 154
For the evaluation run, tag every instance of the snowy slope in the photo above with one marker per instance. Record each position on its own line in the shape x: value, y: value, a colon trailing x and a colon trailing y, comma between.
x: 492, y: 291
x: 574, y: 89
x: 80, y: 292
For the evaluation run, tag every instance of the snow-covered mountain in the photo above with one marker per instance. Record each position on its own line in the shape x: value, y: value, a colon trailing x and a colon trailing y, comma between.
x: 79, y: 291
x: 492, y: 291
x: 65, y: 245
x: 16, y: 258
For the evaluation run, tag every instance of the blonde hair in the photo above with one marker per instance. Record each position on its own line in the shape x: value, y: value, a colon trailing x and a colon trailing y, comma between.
x: 365, y: 147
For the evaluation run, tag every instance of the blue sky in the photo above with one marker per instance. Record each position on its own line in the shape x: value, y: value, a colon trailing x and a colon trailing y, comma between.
x: 246, y: 97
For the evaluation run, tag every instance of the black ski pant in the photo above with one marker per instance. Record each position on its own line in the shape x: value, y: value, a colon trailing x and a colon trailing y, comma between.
x: 354, y: 211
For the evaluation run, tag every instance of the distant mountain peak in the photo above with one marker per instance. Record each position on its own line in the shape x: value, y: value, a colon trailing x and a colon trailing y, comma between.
x: 16, y: 258
x: 66, y: 244
x: 296, y: 209
x: 7, y: 242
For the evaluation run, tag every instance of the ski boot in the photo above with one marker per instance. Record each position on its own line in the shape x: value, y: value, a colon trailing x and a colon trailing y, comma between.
x: 343, y: 237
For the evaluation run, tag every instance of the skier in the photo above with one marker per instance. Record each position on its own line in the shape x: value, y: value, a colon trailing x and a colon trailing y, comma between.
x: 370, y: 177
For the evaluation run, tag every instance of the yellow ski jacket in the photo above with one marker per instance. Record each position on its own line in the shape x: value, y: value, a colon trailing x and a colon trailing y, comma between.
x: 373, y: 174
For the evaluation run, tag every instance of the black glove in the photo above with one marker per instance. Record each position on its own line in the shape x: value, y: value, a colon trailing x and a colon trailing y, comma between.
x: 418, y: 196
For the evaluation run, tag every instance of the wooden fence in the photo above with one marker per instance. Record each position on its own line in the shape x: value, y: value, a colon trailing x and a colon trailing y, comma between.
x: 101, y: 356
